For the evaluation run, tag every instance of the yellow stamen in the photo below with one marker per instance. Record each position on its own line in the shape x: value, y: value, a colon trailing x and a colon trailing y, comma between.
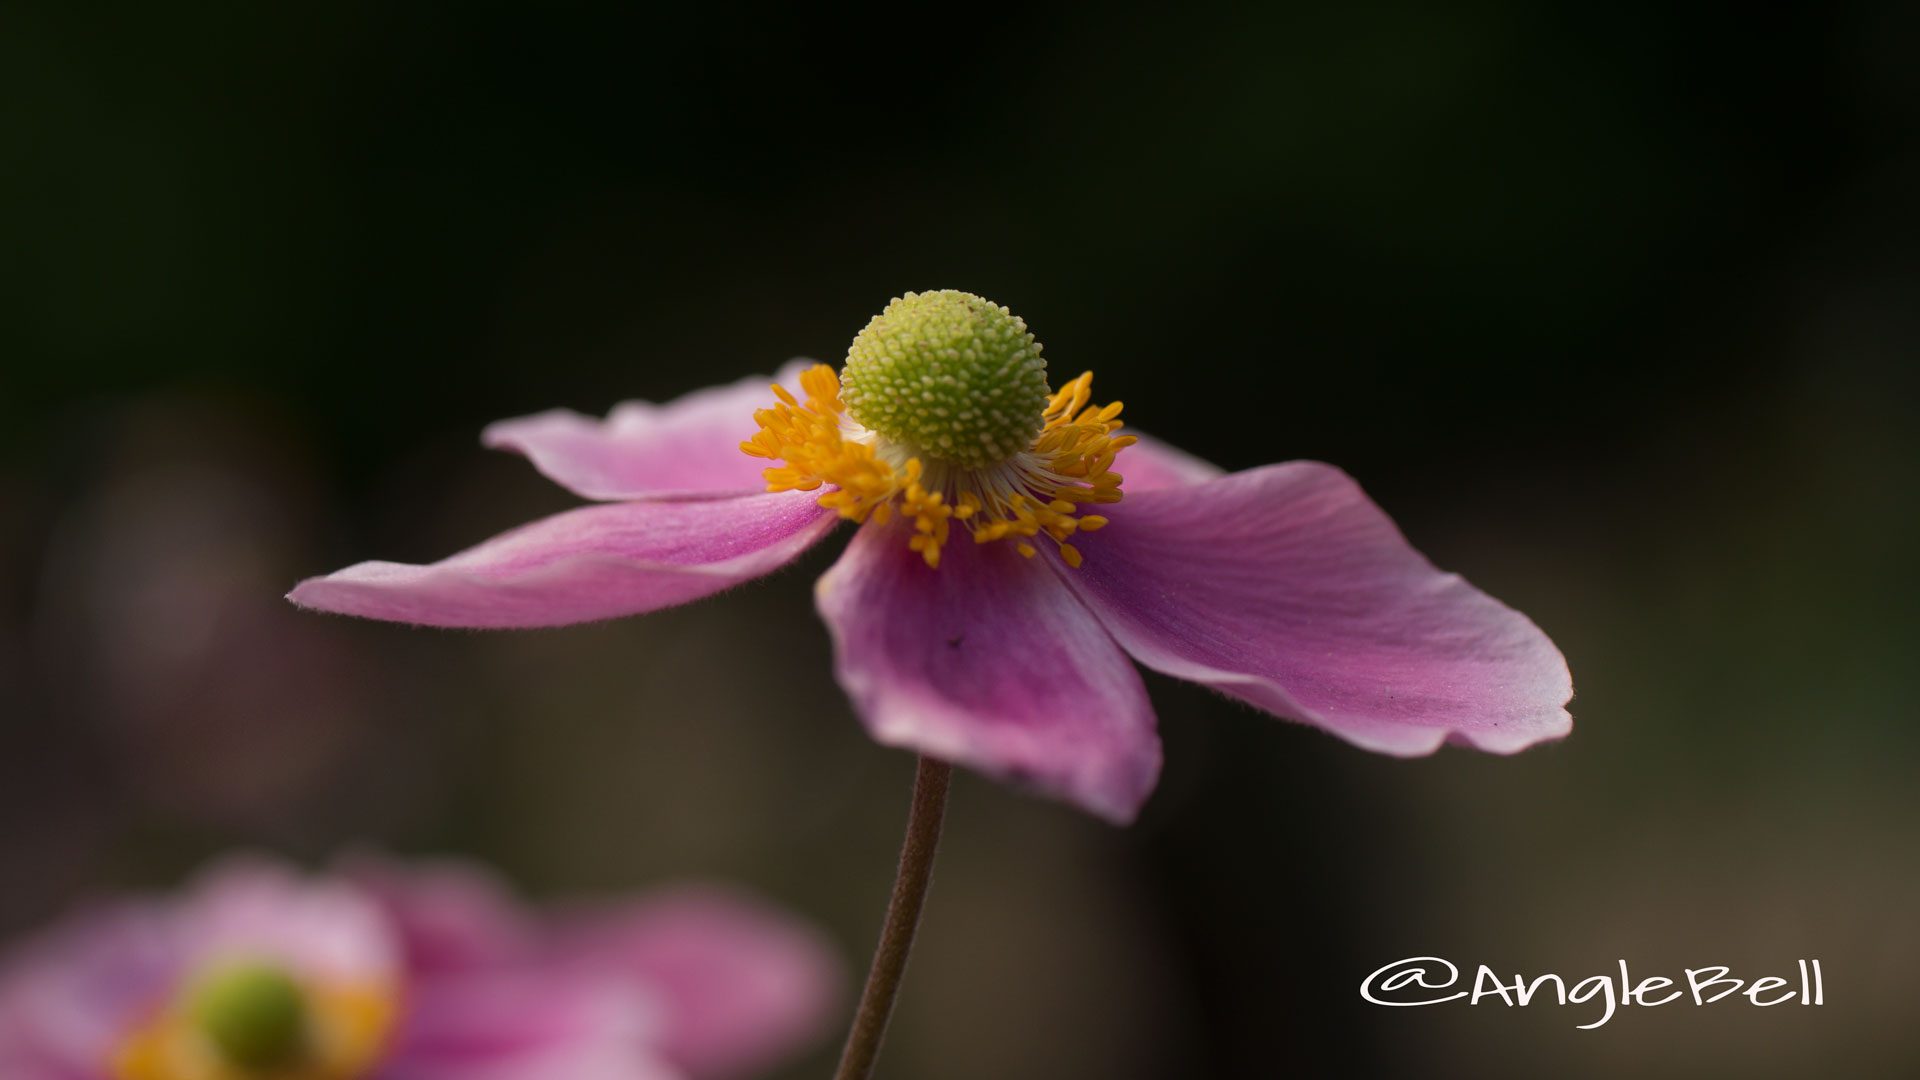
x: 346, y: 1031
x: 1036, y: 492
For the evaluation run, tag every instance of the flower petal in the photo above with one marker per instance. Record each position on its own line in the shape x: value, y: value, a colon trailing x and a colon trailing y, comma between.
x: 450, y: 916
x: 1286, y: 587
x: 988, y: 662
x: 523, y: 1024
x: 597, y: 562
x: 738, y: 984
x: 255, y: 906
x: 70, y: 994
x: 1150, y: 463
x: 688, y: 447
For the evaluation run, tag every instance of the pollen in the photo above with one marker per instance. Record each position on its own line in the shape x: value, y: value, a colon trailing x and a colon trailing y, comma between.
x: 1021, y: 491
x: 953, y: 376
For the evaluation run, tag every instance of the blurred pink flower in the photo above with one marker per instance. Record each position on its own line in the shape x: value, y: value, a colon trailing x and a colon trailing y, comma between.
x: 1283, y: 586
x: 389, y: 972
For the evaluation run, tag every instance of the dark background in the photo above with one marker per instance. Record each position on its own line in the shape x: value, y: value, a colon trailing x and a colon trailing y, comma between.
x: 1612, y: 306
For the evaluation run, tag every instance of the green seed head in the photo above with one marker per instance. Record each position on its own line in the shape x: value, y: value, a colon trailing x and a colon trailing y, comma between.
x: 253, y: 1014
x: 951, y: 375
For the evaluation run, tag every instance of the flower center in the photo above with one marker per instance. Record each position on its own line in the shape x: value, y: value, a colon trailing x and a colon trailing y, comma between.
x: 255, y: 1016
x: 256, y: 1021
x: 953, y: 376
x: 942, y: 431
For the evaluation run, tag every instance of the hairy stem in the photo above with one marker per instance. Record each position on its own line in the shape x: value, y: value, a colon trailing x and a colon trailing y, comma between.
x: 903, y: 918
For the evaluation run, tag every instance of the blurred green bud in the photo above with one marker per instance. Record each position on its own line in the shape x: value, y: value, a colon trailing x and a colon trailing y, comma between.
x: 255, y: 1014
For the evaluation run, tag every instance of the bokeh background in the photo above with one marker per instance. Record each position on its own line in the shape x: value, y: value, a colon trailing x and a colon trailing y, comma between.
x: 1612, y: 306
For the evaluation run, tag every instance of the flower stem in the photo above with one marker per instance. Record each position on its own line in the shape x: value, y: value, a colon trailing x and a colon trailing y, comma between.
x: 903, y: 918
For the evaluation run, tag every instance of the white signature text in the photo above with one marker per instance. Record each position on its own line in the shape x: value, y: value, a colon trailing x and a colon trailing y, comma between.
x: 1431, y: 980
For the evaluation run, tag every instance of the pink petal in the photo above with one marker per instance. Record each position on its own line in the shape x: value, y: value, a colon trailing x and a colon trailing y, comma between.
x: 450, y: 916
x: 1150, y: 464
x: 1286, y: 587
x: 522, y: 1024
x: 69, y: 995
x: 687, y: 447
x: 988, y: 662
x: 738, y: 984
x: 256, y: 907
x: 597, y: 562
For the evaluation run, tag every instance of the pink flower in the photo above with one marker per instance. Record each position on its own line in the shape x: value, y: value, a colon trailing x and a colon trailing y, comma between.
x: 1283, y: 586
x: 392, y: 973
